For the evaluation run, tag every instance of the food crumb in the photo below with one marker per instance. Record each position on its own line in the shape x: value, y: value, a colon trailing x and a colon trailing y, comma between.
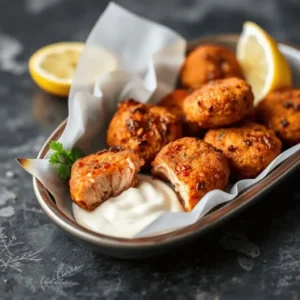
x: 200, y: 185
x: 248, y: 142
x: 232, y: 148
x: 284, y: 123
x: 220, y: 136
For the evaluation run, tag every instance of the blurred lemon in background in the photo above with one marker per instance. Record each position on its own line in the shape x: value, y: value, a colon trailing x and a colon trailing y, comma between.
x: 52, y: 67
x: 264, y: 66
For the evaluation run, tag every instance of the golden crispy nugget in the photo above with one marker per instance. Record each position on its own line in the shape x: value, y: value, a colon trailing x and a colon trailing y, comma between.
x: 209, y: 62
x: 144, y: 128
x: 249, y: 147
x: 220, y: 102
x: 193, y: 167
x: 102, y: 175
x: 280, y: 111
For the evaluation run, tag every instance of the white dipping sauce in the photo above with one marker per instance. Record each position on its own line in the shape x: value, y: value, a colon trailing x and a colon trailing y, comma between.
x: 131, y: 211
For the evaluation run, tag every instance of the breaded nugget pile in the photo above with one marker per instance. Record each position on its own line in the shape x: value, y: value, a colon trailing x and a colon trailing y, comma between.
x: 219, y: 96
x: 215, y: 100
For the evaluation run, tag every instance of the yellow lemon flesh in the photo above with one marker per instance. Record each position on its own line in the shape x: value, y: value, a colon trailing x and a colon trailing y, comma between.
x: 52, y: 67
x: 265, y: 68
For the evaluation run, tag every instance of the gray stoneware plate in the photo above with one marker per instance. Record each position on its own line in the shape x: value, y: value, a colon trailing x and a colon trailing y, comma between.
x: 155, y: 245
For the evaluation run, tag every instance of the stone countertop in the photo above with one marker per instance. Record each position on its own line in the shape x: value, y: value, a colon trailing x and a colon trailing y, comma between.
x: 254, y: 256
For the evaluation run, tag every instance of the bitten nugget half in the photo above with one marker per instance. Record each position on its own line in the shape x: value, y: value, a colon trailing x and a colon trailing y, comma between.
x: 209, y: 62
x: 174, y: 103
x: 219, y: 103
x: 249, y: 147
x: 193, y: 167
x: 280, y: 111
x: 102, y: 175
x: 144, y: 128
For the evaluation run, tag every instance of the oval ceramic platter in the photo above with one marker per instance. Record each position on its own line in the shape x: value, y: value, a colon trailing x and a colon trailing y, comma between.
x: 155, y: 245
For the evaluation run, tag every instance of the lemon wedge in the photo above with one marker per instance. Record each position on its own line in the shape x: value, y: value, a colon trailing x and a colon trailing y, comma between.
x: 265, y: 68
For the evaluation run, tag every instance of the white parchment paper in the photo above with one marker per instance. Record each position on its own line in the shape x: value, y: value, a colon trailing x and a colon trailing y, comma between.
x: 149, y: 57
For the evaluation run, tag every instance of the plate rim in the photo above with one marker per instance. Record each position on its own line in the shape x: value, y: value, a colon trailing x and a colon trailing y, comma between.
x: 202, y: 225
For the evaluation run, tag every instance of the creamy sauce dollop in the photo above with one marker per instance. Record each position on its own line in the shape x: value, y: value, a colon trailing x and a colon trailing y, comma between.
x: 131, y: 211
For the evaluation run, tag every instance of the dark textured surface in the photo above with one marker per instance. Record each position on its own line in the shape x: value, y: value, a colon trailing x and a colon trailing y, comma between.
x: 255, y: 256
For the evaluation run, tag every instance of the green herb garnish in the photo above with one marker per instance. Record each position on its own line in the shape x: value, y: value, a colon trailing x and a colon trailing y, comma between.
x: 63, y: 158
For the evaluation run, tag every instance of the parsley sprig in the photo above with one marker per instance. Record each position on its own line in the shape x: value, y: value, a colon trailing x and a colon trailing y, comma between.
x: 63, y: 158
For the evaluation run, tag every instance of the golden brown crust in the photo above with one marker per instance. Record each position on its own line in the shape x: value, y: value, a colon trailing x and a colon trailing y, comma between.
x: 209, y: 62
x: 193, y: 167
x: 280, y: 111
x: 219, y: 103
x: 102, y: 175
x: 144, y: 128
x: 174, y: 103
x: 249, y: 147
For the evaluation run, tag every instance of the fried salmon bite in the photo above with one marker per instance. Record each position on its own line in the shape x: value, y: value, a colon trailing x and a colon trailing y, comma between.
x: 193, y: 167
x: 173, y: 102
x: 144, y: 128
x: 102, y: 175
x: 219, y: 103
x: 209, y: 62
x: 280, y: 111
x: 249, y: 147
